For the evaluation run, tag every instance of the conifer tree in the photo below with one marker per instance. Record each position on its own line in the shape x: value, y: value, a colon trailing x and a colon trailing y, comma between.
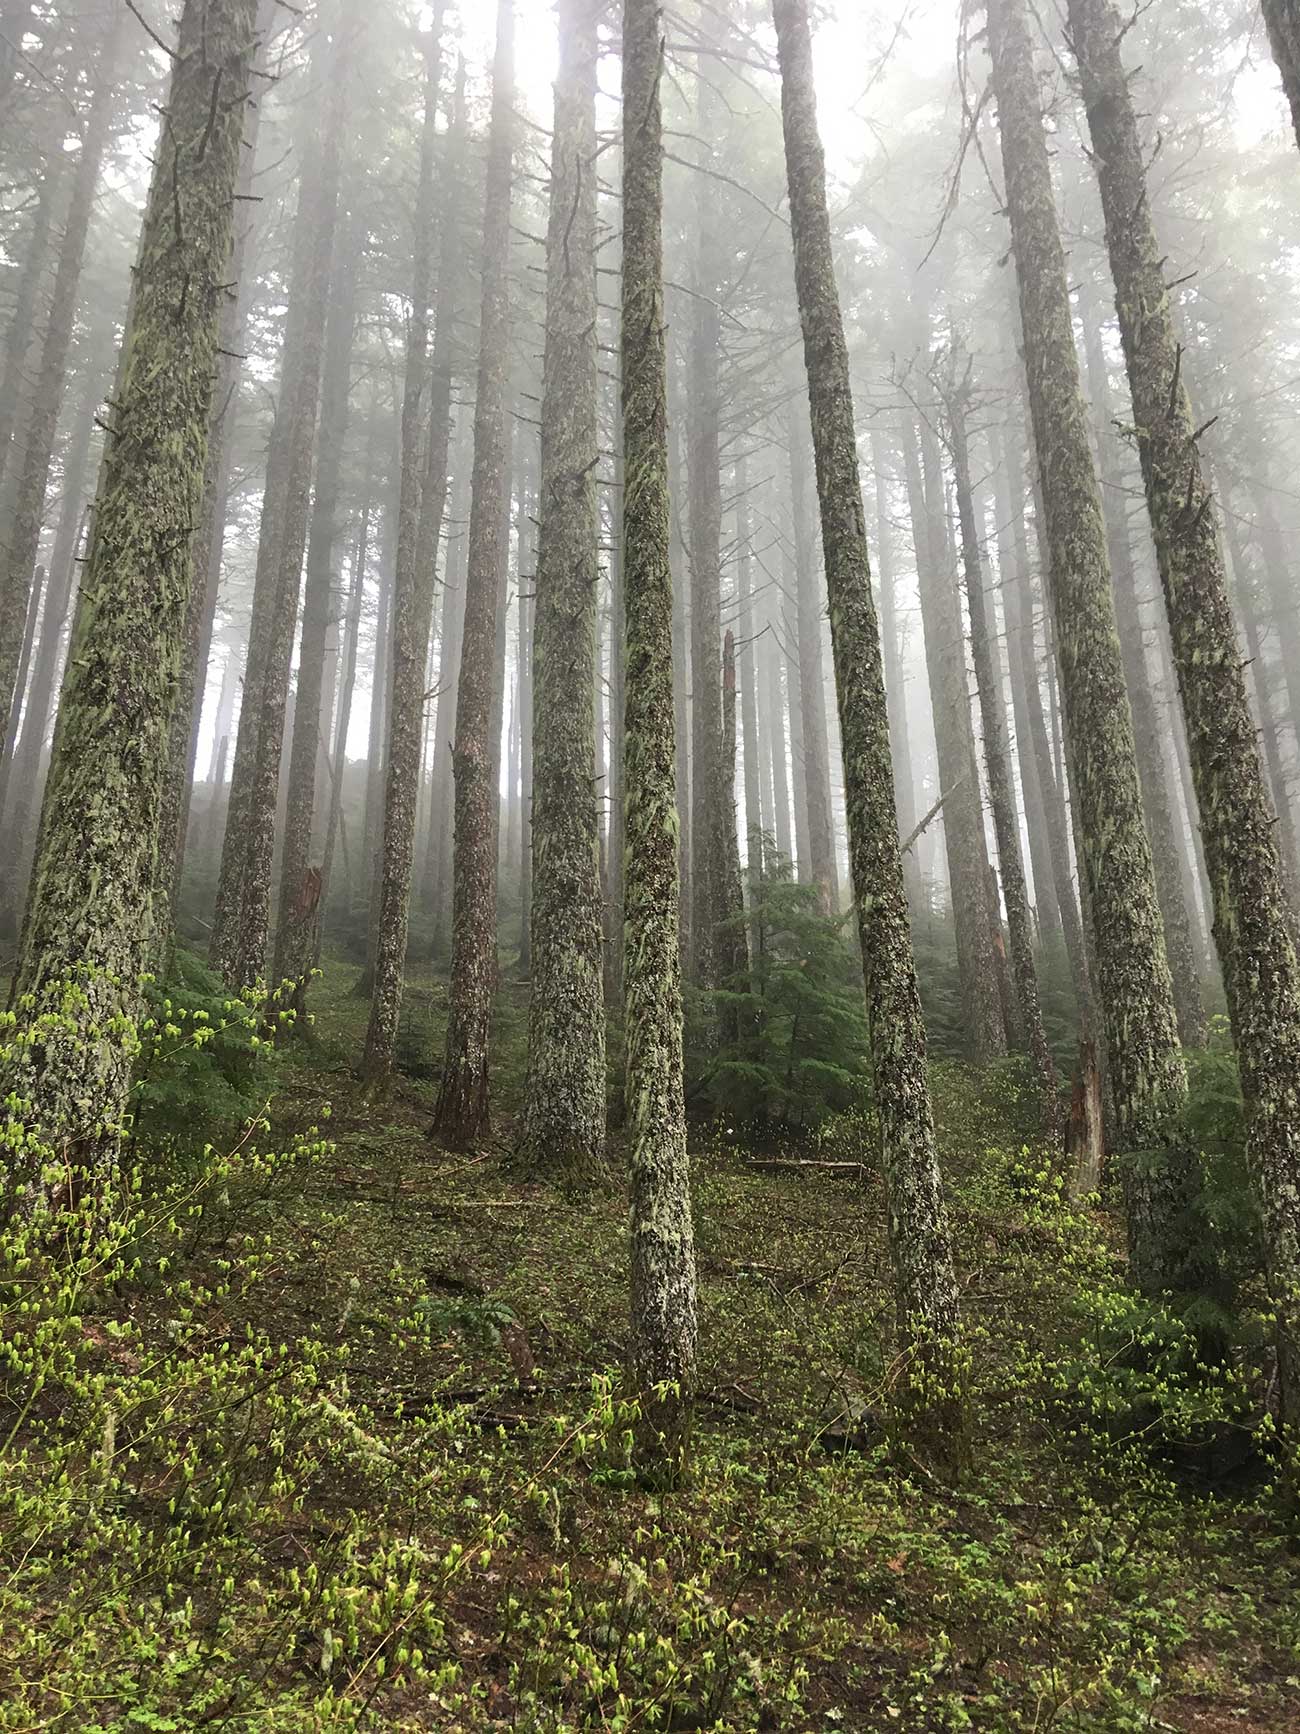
x: 413, y: 596
x: 924, y: 1278
x: 1252, y: 929
x: 78, y: 986
x: 461, y: 1114
x: 563, y: 1129
x: 1133, y: 985
x: 664, y: 1328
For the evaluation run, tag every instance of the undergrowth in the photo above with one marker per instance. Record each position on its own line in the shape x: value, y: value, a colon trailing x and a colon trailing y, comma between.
x: 322, y: 1428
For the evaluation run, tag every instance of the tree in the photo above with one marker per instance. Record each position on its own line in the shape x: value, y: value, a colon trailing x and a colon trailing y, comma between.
x: 34, y: 444
x: 241, y: 925
x: 413, y: 590
x: 1252, y: 929
x: 461, y: 1114
x: 997, y: 758
x: 563, y: 1131
x: 1133, y: 986
x: 663, y: 1334
x: 1282, y: 19
x: 924, y: 1277
x: 78, y: 984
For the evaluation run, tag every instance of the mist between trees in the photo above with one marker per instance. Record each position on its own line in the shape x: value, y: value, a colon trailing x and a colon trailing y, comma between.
x: 685, y: 618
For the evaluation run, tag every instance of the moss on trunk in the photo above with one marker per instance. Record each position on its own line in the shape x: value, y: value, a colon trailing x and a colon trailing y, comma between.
x: 662, y: 1341
x: 78, y: 986
x: 924, y: 1277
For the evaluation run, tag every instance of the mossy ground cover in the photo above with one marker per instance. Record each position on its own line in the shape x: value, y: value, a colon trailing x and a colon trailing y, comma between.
x: 334, y: 1437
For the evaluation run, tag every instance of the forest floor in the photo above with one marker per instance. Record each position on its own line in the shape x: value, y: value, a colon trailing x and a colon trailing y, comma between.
x: 450, y: 1538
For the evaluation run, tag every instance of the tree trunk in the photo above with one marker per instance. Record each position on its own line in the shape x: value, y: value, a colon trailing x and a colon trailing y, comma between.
x: 1134, y: 989
x: 812, y: 679
x: 35, y: 443
x: 954, y: 740
x: 461, y: 1114
x: 88, y: 925
x: 1148, y: 736
x: 209, y: 539
x: 299, y: 903
x: 421, y: 505
x: 925, y: 1281
x: 997, y: 764
x: 1018, y: 621
x: 1251, y: 927
x: 1282, y: 18
x: 663, y: 1325
x: 704, y: 528
x: 241, y: 925
x: 895, y: 687
x: 563, y: 1131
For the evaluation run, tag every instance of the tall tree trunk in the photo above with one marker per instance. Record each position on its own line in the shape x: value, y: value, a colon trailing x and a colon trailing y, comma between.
x: 704, y: 528
x: 812, y: 679
x: 563, y: 1130
x: 684, y: 768
x: 437, y: 869
x: 299, y: 903
x: 35, y: 443
x: 21, y: 348
x: 753, y: 763
x: 997, y: 764
x: 1251, y: 927
x: 1010, y: 538
x: 895, y: 679
x: 241, y: 925
x: 1145, y: 1063
x: 461, y: 1114
x: 662, y: 1344
x: 776, y: 744
x: 1166, y: 849
x: 422, y: 508
x: 209, y: 537
x: 347, y: 687
x: 617, y: 706
x: 88, y: 923
x: 1282, y: 19
x: 925, y: 1281
x: 954, y: 740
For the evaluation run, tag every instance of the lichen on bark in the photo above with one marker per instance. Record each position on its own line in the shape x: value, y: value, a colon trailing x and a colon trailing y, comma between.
x: 562, y: 1135
x: 1145, y: 1068
x: 77, y: 991
x: 1252, y: 929
x: 920, y: 1248
x: 662, y: 1344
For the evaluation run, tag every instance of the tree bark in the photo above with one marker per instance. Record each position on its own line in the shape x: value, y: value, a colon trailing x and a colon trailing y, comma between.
x: 812, y: 678
x: 299, y: 903
x: 241, y: 925
x: 925, y: 1281
x: 954, y: 739
x: 1282, y: 18
x: 462, y: 1111
x: 1251, y: 927
x: 563, y: 1130
x: 895, y: 688
x: 88, y: 925
x: 1166, y: 850
x: 421, y: 508
x: 209, y: 537
x: 35, y: 443
x: 1012, y: 576
x: 662, y: 1346
x: 1144, y: 1060
x: 1006, y: 823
